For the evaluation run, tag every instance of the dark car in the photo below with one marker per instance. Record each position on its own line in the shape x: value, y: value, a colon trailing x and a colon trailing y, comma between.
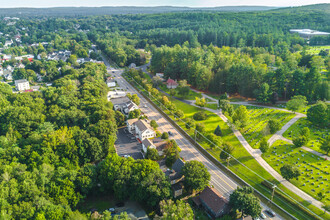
x: 120, y: 204
x: 170, y: 133
x: 270, y: 213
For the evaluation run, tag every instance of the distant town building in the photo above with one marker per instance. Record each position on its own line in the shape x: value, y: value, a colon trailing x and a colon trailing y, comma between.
x: 22, y: 85
x: 308, y: 33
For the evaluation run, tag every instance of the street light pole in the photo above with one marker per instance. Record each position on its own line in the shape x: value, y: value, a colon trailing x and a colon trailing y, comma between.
x: 274, y: 187
x: 228, y: 161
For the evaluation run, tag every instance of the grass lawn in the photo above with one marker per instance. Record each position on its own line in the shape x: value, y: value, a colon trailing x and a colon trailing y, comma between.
x: 191, y: 95
x: 317, y: 134
x: 314, y: 170
x: 259, y: 116
x: 212, y: 106
x: 101, y: 203
x: 303, y: 110
x: 242, y: 155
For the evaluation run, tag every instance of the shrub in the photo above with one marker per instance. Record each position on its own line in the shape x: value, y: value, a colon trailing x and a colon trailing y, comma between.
x: 273, y: 125
x: 198, y: 116
x: 264, y: 146
x: 165, y: 135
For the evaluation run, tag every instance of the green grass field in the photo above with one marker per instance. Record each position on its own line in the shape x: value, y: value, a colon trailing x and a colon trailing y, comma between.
x: 314, y: 170
x: 191, y: 95
x: 259, y: 116
x: 101, y: 203
x: 212, y: 106
x: 317, y: 134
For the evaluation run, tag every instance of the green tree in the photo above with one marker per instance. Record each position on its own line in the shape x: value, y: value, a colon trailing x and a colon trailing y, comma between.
x: 241, y: 116
x: 264, y: 146
x: 200, y: 115
x: 325, y: 146
x: 134, y: 114
x: 176, y: 210
x: 227, y: 149
x: 299, y: 141
x: 196, y: 175
x: 135, y: 99
x: 189, y: 123
x: 319, y: 114
x: 226, y: 106
x: 289, y: 171
x: 199, y: 130
x: 263, y: 94
x: 120, y: 118
x: 201, y: 102
x: 153, y: 124
x: 218, y: 131
x: 179, y: 113
x: 243, y: 200
x: 152, y: 154
x: 273, y: 125
x: 296, y: 103
x: 165, y: 135
x: 172, y: 92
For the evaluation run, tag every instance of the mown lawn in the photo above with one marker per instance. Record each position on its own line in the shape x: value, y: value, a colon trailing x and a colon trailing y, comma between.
x: 100, y: 203
x: 317, y: 134
x: 259, y: 117
x: 314, y: 170
x: 190, y: 96
x: 315, y: 50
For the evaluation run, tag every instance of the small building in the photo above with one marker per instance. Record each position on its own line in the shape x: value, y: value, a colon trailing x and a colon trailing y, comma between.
x: 143, y: 130
x: 130, y: 106
x: 156, y: 143
x: 22, y: 85
x: 161, y: 75
x: 177, y: 189
x: 111, y: 82
x: 130, y: 125
x: 120, y: 103
x: 116, y: 94
x: 171, y: 84
x: 176, y: 177
x: 215, y: 204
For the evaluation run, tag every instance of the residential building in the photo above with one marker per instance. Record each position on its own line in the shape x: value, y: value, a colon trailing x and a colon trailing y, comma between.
x: 22, y: 85
x: 171, y: 84
x: 130, y: 106
x: 215, y: 204
x: 111, y: 82
x: 130, y: 125
x: 143, y: 130
x: 116, y: 94
x: 156, y: 143
x: 176, y: 177
x: 124, y: 104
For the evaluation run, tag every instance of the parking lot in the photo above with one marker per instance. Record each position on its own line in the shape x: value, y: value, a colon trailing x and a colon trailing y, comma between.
x: 126, y: 144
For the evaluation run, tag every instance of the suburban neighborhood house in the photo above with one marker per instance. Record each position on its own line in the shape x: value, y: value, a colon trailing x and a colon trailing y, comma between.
x: 143, y: 130
x: 215, y: 204
x: 161, y: 75
x: 140, y: 128
x: 111, y: 82
x: 156, y: 143
x: 124, y: 104
x: 171, y: 84
x: 22, y: 85
x: 175, y: 176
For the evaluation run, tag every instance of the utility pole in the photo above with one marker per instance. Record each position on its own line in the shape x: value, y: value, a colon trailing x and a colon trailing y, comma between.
x: 228, y: 161
x: 274, y: 187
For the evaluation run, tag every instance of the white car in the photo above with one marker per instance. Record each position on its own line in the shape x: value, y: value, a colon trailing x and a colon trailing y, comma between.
x: 145, y: 105
x: 263, y: 216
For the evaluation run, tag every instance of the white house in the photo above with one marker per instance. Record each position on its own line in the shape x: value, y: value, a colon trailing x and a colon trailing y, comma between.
x: 22, y: 84
x: 143, y: 130
x: 111, y: 82
x: 130, y: 125
x: 130, y: 106
x: 156, y: 143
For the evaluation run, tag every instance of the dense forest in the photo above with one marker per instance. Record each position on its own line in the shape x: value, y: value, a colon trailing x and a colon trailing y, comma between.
x: 52, y: 146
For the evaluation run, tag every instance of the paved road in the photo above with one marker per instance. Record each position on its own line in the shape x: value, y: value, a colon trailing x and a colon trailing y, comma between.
x: 219, y: 180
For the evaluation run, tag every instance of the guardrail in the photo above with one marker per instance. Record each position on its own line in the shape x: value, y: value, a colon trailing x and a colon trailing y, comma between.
x: 230, y: 173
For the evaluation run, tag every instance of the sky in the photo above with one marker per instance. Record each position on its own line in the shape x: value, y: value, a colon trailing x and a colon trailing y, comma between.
x: 191, y: 3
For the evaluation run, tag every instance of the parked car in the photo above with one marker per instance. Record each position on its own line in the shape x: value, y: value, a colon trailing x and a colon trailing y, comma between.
x: 111, y: 209
x: 127, y: 156
x: 263, y: 216
x: 270, y: 213
x: 170, y: 133
x: 145, y: 105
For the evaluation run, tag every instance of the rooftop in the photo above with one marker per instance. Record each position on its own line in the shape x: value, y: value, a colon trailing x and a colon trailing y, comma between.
x: 212, y: 198
x: 21, y: 81
x: 142, y: 125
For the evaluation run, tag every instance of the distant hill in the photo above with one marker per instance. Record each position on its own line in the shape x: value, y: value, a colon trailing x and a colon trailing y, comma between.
x: 83, y: 11
x: 306, y: 8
